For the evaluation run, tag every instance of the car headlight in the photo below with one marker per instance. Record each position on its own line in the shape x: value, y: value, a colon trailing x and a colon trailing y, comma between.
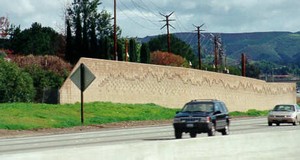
x: 206, y: 119
x: 177, y: 120
x: 291, y: 116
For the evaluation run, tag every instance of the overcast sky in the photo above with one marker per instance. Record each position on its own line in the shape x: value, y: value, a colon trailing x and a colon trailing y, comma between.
x: 139, y: 18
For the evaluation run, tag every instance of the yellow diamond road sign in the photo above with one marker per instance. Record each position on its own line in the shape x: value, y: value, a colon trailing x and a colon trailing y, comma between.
x: 82, y: 77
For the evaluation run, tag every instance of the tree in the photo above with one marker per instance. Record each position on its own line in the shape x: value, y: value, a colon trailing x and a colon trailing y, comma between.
x: 36, y: 40
x: 69, y: 42
x: 145, y: 53
x: 93, y: 30
x: 105, y: 48
x: 178, y: 47
x: 78, y: 36
x: 252, y: 71
x: 93, y: 41
x: 132, y: 50
x: 120, y: 51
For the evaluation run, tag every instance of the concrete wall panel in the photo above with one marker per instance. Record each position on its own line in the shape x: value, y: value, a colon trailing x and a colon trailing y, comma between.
x: 126, y: 82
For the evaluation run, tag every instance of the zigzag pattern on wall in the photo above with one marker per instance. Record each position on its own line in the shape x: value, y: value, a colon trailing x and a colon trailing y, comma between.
x: 194, y: 78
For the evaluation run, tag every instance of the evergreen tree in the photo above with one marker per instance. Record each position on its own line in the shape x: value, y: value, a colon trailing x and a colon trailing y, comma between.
x: 252, y: 70
x: 78, y: 36
x: 132, y: 50
x: 36, y: 40
x: 120, y: 51
x: 93, y: 30
x: 68, y: 51
x: 93, y: 41
x: 145, y: 53
x: 104, y: 48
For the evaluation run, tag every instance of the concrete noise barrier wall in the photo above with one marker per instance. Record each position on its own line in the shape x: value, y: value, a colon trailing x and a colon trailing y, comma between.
x: 126, y: 82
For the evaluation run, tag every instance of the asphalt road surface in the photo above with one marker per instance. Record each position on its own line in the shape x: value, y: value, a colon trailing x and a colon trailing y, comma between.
x: 248, y: 139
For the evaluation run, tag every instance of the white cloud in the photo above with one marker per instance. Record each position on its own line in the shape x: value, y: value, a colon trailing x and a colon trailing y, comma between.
x: 17, y: 7
x: 141, y: 17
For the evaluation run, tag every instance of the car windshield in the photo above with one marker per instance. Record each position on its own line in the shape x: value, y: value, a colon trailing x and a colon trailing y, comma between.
x: 288, y: 108
x: 198, y: 107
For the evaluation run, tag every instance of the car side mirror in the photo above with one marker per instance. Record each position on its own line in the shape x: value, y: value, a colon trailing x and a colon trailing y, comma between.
x: 177, y: 112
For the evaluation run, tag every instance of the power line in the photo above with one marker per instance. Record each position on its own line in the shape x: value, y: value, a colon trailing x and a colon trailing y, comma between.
x: 206, y: 45
x: 155, y: 5
x: 191, y: 38
x: 154, y: 12
x: 133, y: 20
x: 178, y: 21
x: 142, y: 12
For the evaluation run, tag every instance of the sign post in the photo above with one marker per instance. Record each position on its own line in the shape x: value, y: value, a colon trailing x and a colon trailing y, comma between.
x: 81, y: 90
x: 82, y: 78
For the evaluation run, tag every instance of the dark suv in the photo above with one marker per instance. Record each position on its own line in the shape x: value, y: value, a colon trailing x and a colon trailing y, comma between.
x: 202, y: 116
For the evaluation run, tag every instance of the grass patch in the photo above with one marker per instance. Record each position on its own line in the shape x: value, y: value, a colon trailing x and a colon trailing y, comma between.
x: 26, y: 116
x: 249, y: 113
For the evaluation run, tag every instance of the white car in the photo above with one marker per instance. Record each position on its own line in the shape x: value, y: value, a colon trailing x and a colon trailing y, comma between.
x: 284, y: 113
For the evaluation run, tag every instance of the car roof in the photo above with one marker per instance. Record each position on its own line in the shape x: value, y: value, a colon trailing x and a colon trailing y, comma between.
x: 204, y: 100
x: 286, y: 105
x: 294, y: 105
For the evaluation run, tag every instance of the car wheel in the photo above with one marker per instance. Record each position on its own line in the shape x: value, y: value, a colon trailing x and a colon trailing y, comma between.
x: 295, y: 122
x: 270, y: 123
x: 193, y: 134
x: 178, y: 134
x: 277, y: 124
x: 212, y: 131
x: 225, y: 131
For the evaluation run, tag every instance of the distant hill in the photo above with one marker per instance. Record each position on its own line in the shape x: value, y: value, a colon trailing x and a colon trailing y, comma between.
x: 277, y: 47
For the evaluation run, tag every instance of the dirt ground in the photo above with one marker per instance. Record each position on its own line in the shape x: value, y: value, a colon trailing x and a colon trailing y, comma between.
x: 38, y: 132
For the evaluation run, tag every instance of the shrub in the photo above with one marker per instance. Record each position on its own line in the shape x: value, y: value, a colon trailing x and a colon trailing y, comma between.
x: 165, y: 58
x: 15, y: 84
x: 49, y: 63
x: 47, y: 72
x: 43, y: 79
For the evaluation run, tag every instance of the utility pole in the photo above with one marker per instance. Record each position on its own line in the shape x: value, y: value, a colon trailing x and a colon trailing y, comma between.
x: 199, y: 45
x: 115, y: 31
x: 216, y: 50
x: 244, y: 65
x: 168, y: 31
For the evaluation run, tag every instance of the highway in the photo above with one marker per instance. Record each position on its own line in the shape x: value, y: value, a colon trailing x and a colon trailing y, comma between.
x: 106, y: 143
